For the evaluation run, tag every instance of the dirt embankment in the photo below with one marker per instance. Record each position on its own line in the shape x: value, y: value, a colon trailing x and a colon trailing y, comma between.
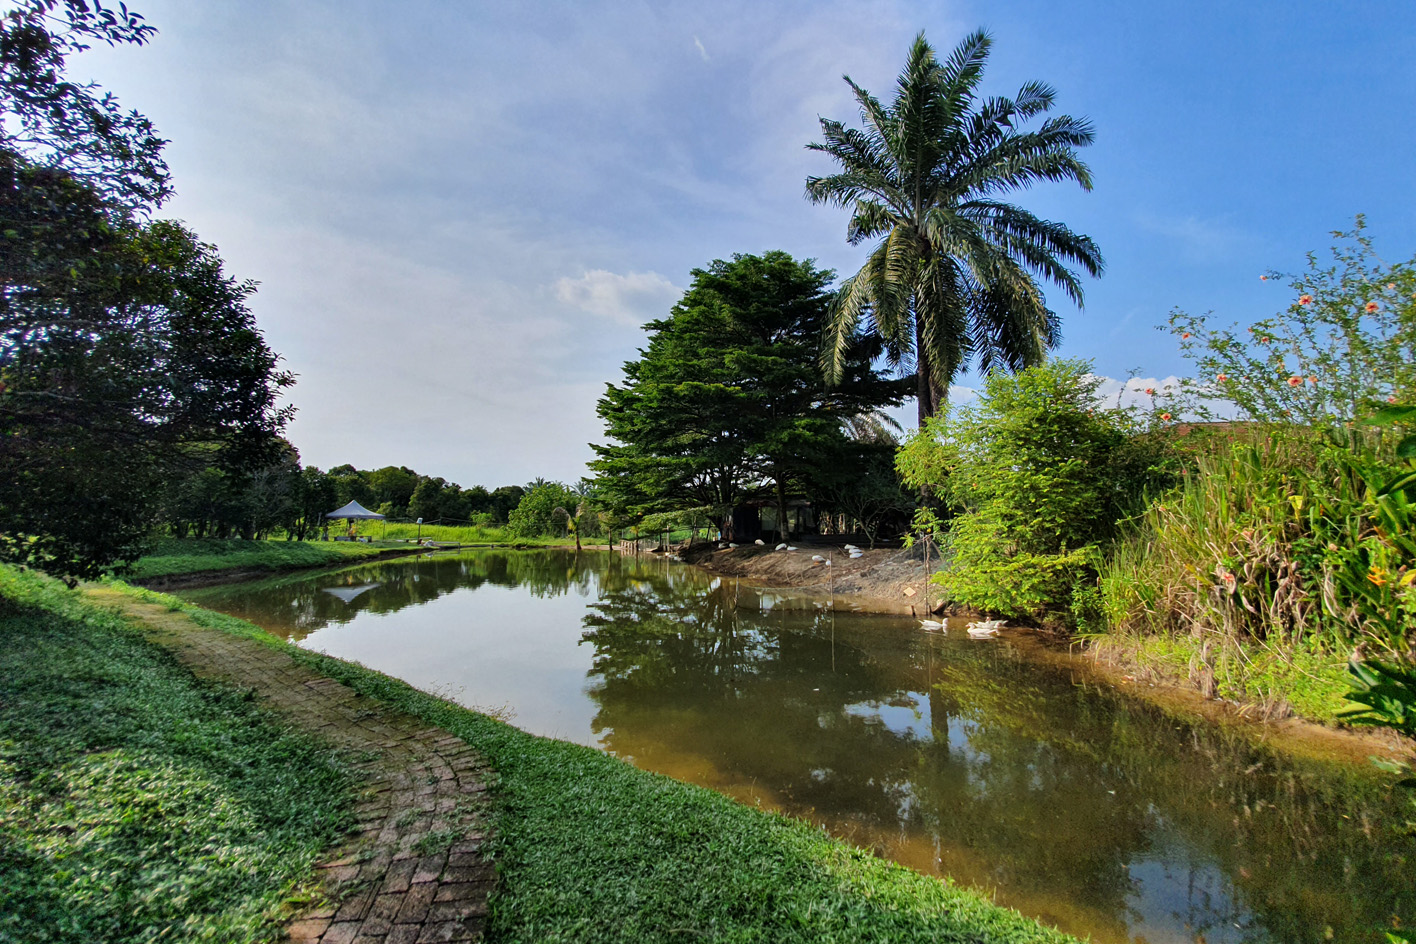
x: 886, y: 580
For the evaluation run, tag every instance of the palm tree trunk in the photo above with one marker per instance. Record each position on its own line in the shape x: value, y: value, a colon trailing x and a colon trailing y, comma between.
x: 927, y: 390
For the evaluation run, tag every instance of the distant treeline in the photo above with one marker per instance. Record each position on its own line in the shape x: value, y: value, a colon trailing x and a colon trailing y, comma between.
x: 290, y: 498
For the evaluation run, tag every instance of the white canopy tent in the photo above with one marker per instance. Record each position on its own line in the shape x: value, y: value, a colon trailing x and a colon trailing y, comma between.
x: 354, y: 510
x: 350, y: 513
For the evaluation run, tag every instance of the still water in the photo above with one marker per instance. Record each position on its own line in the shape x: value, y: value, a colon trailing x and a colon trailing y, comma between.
x: 1069, y: 801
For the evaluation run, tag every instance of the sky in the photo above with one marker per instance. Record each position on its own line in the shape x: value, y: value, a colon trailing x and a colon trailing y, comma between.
x: 460, y: 213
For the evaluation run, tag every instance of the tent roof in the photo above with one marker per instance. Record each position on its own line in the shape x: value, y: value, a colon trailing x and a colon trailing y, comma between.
x: 353, y: 510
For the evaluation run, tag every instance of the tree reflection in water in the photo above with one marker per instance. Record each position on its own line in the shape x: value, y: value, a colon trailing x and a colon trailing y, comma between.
x: 1074, y: 803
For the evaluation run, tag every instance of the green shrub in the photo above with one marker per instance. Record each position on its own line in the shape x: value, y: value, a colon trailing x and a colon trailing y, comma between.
x: 535, y: 516
x: 1039, y: 474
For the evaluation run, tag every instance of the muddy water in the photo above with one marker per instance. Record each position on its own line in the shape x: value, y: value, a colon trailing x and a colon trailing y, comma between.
x: 1072, y: 802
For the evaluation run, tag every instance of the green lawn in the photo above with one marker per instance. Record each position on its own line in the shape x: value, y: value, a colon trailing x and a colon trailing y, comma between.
x: 137, y: 803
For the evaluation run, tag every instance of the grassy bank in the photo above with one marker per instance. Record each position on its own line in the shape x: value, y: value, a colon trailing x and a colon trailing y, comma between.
x: 137, y: 803
x: 174, y: 557
x: 1276, y: 680
x: 589, y: 848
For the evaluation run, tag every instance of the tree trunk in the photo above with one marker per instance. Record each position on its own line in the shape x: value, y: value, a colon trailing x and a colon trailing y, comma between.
x: 927, y: 390
x: 783, y: 532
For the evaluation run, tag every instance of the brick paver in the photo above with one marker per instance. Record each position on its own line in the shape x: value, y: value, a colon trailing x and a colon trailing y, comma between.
x: 414, y: 870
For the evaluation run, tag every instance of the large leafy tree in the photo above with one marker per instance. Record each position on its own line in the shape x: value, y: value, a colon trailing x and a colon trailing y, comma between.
x: 726, y: 401
x: 60, y: 123
x: 128, y: 357
x: 954, y: 278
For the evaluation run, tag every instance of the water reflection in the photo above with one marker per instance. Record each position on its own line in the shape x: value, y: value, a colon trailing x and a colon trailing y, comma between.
x: 1069, y: 801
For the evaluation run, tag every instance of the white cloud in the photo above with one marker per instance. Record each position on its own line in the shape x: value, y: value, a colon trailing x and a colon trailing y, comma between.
x: 629, y: 299
x: 701, y: 51
x: 1142, y: 392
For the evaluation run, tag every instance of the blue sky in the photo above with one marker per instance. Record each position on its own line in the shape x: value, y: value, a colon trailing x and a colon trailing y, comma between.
x: 459, y: 213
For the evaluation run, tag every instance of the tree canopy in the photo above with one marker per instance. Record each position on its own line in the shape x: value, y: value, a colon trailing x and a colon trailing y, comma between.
x: 955, y: 274
x: 126, y: 351
x: 726, y: 401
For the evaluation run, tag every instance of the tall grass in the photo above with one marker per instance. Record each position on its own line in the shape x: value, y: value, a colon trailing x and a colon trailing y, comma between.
x: 1284, y: 541
x: 442, y: 533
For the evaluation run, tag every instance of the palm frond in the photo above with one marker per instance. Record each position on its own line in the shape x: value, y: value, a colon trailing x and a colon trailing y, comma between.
x: 956, y: 275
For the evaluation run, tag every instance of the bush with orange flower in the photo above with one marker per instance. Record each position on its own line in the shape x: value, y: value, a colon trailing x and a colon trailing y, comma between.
x: 1349, y: 330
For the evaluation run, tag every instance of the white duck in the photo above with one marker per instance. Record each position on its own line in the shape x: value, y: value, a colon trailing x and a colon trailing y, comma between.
x: 933, y: 626
x: 984, y: 628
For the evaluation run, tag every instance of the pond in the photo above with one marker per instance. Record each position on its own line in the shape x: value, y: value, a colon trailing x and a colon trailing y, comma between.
x: 1072, y: 802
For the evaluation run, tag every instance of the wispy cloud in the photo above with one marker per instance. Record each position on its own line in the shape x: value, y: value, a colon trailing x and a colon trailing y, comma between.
x: 630, y: 299
x: 701, y: 51
x: 1197, y: 239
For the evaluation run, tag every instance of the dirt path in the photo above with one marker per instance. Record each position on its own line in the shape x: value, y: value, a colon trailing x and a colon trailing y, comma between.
x: 414, y: 872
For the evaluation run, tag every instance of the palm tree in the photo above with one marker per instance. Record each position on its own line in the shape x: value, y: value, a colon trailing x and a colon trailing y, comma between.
x: 955, y: 276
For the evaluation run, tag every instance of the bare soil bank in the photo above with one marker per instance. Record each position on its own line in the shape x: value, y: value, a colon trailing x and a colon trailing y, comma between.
x: 891, y: 580
x: 886, y: 580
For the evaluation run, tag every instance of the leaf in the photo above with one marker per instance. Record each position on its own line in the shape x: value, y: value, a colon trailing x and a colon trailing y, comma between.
x: 1401, y: 483
x: 1396, y: 413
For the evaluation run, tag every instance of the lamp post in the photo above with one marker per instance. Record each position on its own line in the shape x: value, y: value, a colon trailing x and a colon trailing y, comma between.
x: 420, y: 530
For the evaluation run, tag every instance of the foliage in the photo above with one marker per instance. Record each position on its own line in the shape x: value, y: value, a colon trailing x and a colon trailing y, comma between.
x: 1346, y: 339
x: 866, y: 489
x: 725, y: 400
x: 128, y: 361
x: 1287, y: 540
x: 137, y: 803
x: 1385, y: 697
x: 126, y: 353
x: 68, y: 125
x: 1040, y: 475
x: 955, y: 275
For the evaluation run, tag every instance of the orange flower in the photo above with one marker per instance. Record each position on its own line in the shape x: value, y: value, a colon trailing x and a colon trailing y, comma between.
x: 1150, y: 391
x: 1391, y: 286
x: 1165, y: 417
x: 1371, y: 307
x: 1377, y: 576
x: 1221, y: 378
x: 1263, y: 278
x: 1305, y: 299
x: 1312, y: 380
x: 1295, y: 381
x: 1184, y: 336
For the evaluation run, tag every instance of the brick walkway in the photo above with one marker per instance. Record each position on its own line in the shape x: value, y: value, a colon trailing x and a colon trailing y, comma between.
x: 414, y: 872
